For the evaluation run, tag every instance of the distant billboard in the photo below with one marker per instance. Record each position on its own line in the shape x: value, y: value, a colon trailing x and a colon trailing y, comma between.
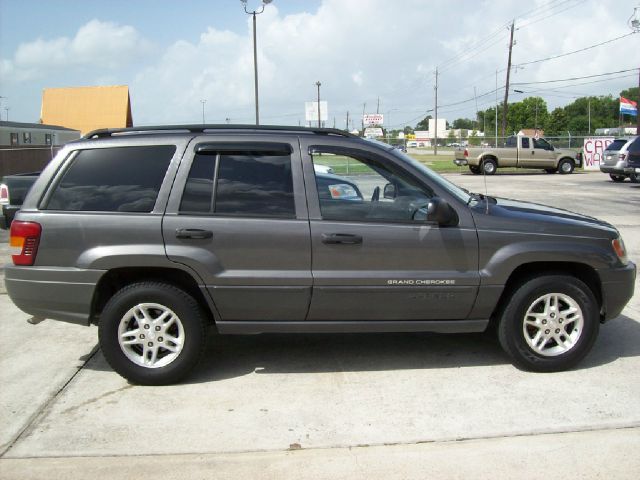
x: 370, y: 119
x: 311, y: 111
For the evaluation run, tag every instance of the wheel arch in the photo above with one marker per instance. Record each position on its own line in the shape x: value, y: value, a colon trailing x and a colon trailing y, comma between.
x: 118, y: 278
x: 524, y: 272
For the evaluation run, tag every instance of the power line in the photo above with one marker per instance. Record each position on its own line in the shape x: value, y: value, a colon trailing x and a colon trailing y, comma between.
x: 532, y: 22
x: 575, y: 51
x: 575, y: 78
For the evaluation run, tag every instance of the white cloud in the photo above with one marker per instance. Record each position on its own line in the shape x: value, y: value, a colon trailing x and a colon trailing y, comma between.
x: 101, y: 45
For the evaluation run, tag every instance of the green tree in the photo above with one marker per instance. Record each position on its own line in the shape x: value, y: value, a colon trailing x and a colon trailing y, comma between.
x: 451, y: 136
x: 424, y: 123
x: 463, y: 123
x: 556, y: 123
x: 408, y: 130
x: 474, y: 140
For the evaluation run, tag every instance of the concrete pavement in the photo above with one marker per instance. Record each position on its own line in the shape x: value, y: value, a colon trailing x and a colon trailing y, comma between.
x: 335, y: 406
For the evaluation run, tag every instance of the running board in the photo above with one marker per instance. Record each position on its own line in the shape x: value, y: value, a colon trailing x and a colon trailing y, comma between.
x: 437, y: 326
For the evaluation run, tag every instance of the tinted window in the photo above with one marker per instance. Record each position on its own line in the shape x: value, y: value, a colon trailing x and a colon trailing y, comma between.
x: 616, y: 145
x: 255, y: 184
x: 198, y: 192
x: 541, y: 143
x: 125, y: 179
x: 511, y: 142
x: 634, y: 147
x: 525, y: 142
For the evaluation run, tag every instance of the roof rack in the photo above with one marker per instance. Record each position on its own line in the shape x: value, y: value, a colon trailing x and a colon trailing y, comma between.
x: 108, y: 132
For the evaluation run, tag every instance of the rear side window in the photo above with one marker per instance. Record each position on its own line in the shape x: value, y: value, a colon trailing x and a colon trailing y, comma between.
x: 123, y: 179
x: 634, y: 147
x: 257, y: 184
x: 616, y: 145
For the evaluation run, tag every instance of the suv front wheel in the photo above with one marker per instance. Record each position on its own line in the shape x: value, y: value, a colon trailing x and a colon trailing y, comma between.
x: 549, y: 323
x: 152, y: 333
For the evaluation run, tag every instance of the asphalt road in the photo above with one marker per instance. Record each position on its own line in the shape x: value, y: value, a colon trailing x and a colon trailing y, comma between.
x: 334, y: 406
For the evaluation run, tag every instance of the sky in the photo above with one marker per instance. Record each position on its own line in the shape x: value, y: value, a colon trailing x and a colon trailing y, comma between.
x: 376, y: 56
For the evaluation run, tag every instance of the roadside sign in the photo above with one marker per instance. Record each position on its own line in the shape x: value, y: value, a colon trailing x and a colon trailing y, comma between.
x: 593, y: 150
x: 371, y: 119
x: 373, y: 132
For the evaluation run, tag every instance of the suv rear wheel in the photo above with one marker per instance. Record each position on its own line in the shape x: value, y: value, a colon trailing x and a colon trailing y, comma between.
x: 617, y: 178
x: 549, y: 324
x: 152, y: 333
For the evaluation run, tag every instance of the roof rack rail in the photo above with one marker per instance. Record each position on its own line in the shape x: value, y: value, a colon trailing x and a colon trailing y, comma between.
x: 108, y: 132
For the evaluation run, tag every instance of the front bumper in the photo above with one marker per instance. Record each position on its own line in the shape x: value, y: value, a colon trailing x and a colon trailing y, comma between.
x: 617, y: 289
x: 63, y: 294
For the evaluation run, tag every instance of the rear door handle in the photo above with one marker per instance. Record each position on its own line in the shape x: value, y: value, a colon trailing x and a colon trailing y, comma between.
x: 195, y: 233
x: 341, y: 238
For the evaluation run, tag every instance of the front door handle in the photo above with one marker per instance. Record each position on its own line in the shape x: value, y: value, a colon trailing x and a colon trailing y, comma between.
x: 341, y: 239
x: 196, y: 233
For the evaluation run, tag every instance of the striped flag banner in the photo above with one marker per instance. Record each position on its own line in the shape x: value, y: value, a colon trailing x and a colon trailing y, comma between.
x: 628, y: 107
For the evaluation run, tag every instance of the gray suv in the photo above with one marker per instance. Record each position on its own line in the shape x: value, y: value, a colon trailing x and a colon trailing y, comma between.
x: 156, y: 233
x: 615, y: 161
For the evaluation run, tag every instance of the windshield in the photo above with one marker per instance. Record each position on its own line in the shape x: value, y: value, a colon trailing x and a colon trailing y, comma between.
x: 433, y: 176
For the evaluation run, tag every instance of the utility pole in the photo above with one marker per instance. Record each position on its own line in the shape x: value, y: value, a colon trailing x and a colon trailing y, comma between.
x: 435, y: 135
x: 364, y: 109
x: 475, y: 120
x: 496, y: 129
x: 506, y: 90
x: 637, y: 107
x: 203, y: 102
x: 347, y: 120
x: 318, y: 85
x: 378, y: 107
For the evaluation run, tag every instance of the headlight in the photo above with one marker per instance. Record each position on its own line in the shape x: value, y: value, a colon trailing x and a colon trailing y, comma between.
x: 619, y: 248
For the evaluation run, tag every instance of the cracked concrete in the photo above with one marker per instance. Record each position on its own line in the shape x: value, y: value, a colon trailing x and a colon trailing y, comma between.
x: 338, y: 406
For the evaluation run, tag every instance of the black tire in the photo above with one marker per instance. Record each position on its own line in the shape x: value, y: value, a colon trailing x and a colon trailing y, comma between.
x: 634, y: 177
x: 617, y: 178
x: 513, y: 335
x: 157, y: 298
x: 566, y: 166
x: 551, y: 170
x: 475, y: 169
x: 489, y: 166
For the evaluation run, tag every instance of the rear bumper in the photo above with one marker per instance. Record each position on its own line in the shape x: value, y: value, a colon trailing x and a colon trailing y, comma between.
x: 617, y: 289
x: 461, y: 161
x: 63, y: 294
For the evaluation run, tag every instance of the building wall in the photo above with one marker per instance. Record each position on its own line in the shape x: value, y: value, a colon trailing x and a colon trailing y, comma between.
x: 36, y: 136
x: 87, y: 108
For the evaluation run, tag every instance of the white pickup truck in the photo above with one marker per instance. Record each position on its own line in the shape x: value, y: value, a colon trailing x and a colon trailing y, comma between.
x: 519, y: 151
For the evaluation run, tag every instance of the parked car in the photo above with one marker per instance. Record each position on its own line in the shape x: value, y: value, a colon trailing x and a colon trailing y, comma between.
x: 13, y: 189
x: 520, y: 152
x: 319, y: 168
x: 157, y: 233
x: 633, y: 157
x: 614, y: 161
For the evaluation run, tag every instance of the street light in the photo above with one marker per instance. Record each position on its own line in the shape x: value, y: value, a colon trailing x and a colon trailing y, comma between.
x: 318, y: 85
x: 255, y: 49
x: 203, y: 102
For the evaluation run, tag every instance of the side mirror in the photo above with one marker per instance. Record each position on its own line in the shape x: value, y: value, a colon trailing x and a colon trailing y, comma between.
x: 440, y: 212
x: 389, y: 191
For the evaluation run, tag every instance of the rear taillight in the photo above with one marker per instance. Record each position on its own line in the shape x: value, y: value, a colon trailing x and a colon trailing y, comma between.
x: 4, y: 194
x: 23, y: 242
x: 621, y: 156
x: 466, y: 152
